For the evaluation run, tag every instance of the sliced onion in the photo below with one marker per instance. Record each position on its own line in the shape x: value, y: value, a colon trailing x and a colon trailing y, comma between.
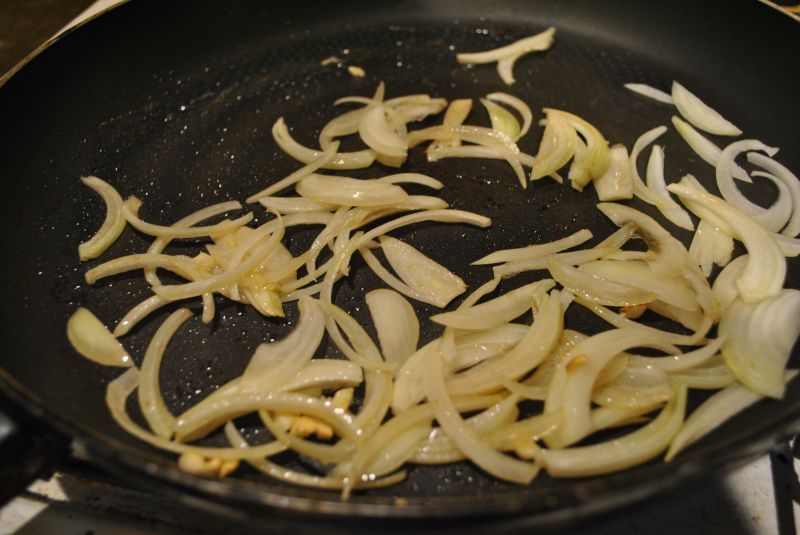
x: 713, y: 376
x: 284, y: 205
x: 379, y: 134
x: 465, y: 439
x: 640, y: 189
x: 502, y: 119
x: 670, y: 256
x: 436, y: 153
x: 657, y: 185
x: 456, y: 114
x: 523, y: 109
x: 705, y: 148
x: 347, y: 191
x: 710, y: 246
x: 725, y: 288
x: 597, y: 157
x: 773, y: 218
x: 570, y: 389
x: 760, y: 337
x: 536, y: 251
x: 131, y: 207
x: 342, y: 160
x: 475, y: 134
x: 596, y: 289
x: 792, y: 183
x: 638, y: 275
x: 507, y: 55
x: 117, y: 393
x: 529, y: 352
x: 396, y: 324
x: 650, y: 92
x: 701, y: 115
x: 113, y: 224
x: 496, y: 311
x: 634, y: 388
x: 766, y: 270
x: 681, y: 361
x: 617, y: 182
x: 155, y: 411
x: 623, y: 452
x: 714, y: 412
x: 93, y: 340
x: 558, y: 145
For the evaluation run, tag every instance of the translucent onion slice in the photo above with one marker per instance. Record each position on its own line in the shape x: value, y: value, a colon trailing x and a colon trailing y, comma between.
x: 713, y: 412
x: 131, y: 206
x: 285, y: 205
x: 640, y: 189
x: 325, y: 374
x: 347, y: 191
x: 681, y: 361
x: 650, y: 92
x: 570, y: 389
x: 638, y: 275
x: 379, y: 134
x: 558, y: 145
x: 117, y: 393
x: 773, y: 218
x: 487, y: 137
x: 507, y: 55
x: 496, y: 311
x: 670, y: 256
x: 178, y: 264
x: 519, y: 105
x: 534, y: 346
x: 712, y: 376
x: 138, y: 313
x: 411, y: 178
x: 113, y: 224
x: 658, y: 186
x: 597, y: 155
x: 704, y: 147
x: 710, y: 246
x: 465, y: 439
x: 342, y: 160
x: 427, y: 277
x: 790, y: 180
x: 439, y: 447
x: 456, y: 114
x: 766, y: 269
x: 619, y: 453
x: 155, y: 411
x: 396, y: 324
x: 93, y: 340
x: 701, y: 115
x: 436, y: 153
x: 535, y: 251
x: 725, y: 289
x: 616, y: 183
x: 635, y: 388
x: 502, y: 119
x: 596, y: 289
x: 759, y: 340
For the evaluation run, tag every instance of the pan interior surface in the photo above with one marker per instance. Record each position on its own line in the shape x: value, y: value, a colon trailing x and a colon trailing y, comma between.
x: 177, y: 109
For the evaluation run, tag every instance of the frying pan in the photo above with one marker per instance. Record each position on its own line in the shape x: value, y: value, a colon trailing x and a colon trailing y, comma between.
x: 173, y: 102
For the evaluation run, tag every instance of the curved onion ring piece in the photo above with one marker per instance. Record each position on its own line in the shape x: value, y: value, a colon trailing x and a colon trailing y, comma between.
x: 112, y: 226
x: 701, y: 115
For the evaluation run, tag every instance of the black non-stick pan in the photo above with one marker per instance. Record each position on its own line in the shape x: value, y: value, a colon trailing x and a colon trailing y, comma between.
x: 173, y: 102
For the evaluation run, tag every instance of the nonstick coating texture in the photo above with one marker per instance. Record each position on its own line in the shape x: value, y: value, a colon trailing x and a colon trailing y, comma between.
x: 173, y: 102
